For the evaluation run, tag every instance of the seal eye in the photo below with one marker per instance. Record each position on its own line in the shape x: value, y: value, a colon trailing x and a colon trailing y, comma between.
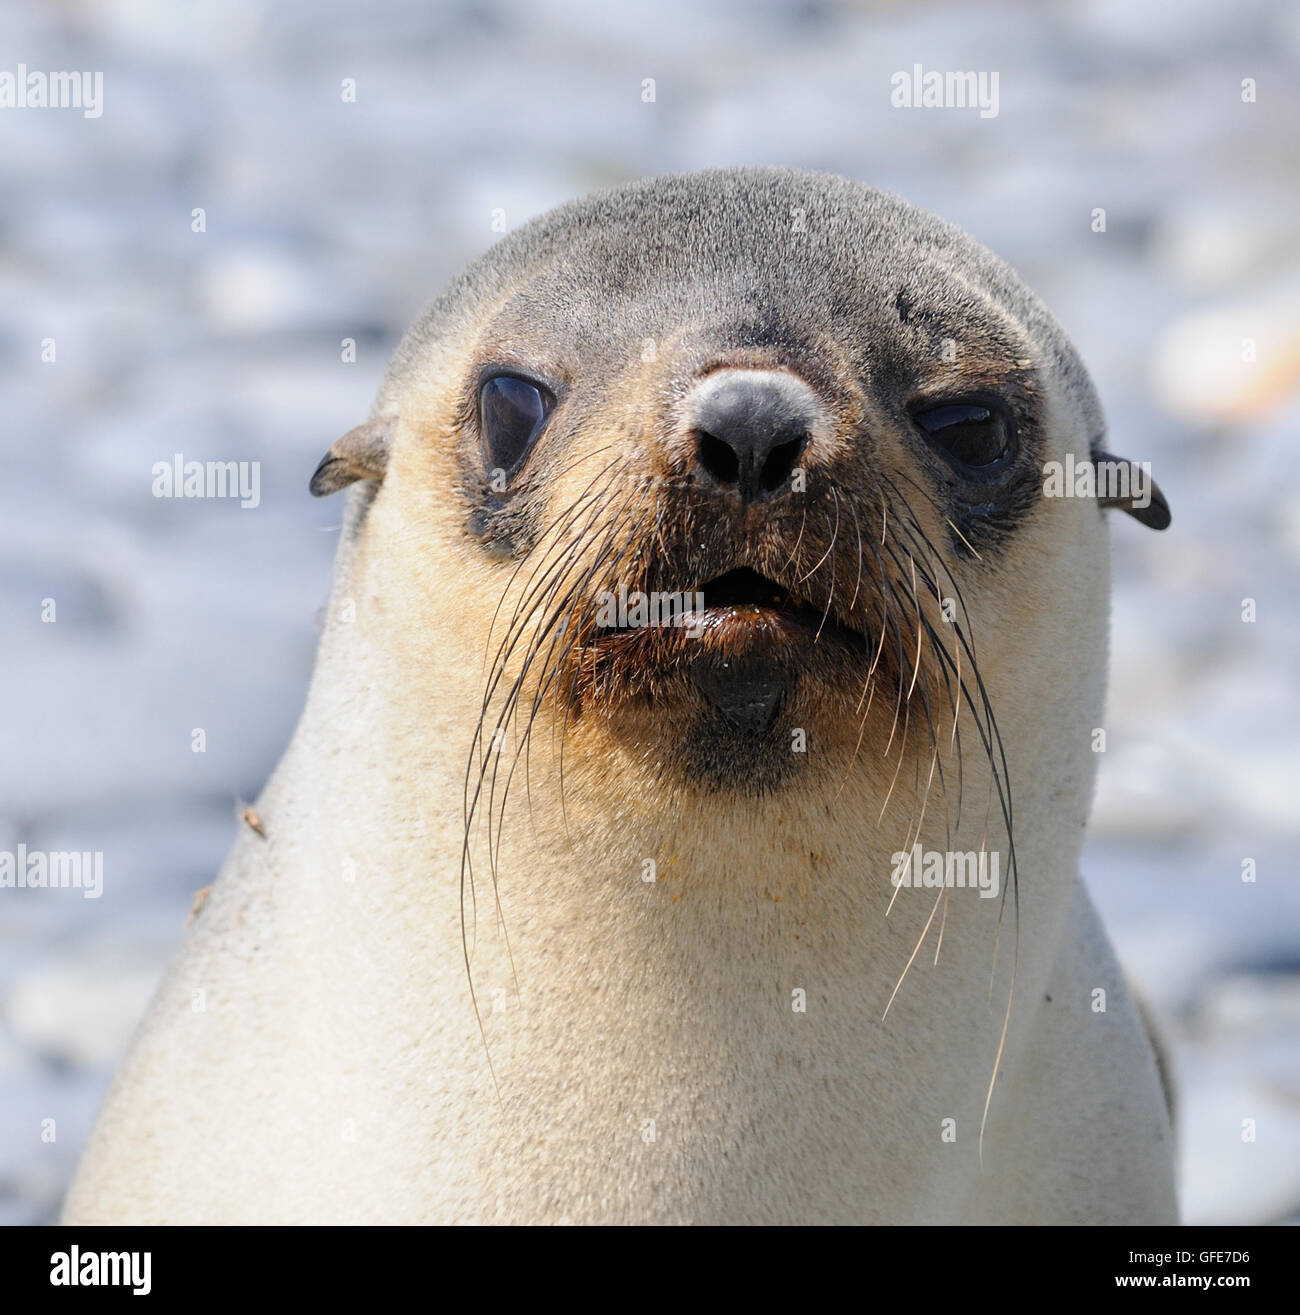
x: 512, y: 412
x: 972, y: 435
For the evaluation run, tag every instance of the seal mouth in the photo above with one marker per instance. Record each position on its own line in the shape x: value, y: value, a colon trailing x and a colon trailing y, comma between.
x: 744, y: 610
x: 742, y: 641
x: 742, y: 599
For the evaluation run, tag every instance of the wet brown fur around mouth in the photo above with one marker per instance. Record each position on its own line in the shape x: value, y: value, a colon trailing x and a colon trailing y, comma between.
x: 874, y: 570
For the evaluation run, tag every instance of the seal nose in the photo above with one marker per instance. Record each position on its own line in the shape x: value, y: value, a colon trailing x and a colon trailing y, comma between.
x: 750, y: 428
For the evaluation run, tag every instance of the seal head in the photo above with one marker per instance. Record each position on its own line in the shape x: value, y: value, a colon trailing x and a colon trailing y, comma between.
x: 793, y: 420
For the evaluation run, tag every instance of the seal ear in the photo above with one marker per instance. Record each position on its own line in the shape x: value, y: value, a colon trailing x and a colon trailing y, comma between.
x: 362, y: 453
x: 1156, y: 514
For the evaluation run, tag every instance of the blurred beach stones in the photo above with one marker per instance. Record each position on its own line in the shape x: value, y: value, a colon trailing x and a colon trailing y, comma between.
x: 219, y: 265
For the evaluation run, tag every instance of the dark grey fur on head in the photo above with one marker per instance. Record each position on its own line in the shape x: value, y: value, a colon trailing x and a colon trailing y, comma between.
x: 805, y: 266
x: 773, y: 235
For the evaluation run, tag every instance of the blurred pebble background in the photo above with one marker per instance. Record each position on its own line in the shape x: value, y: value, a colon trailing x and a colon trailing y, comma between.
x: 328, y: 220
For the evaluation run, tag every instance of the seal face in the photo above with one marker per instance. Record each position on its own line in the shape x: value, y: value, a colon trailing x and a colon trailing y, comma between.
x: 807, y: 408
x: 807, y: 432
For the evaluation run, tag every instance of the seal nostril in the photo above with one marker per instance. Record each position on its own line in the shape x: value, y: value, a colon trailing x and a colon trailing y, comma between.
x: 750, y: 429
x: 718, y: 458
x: 780, y: 462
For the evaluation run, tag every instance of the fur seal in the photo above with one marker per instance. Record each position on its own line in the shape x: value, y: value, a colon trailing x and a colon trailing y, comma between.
x: 759, y: 907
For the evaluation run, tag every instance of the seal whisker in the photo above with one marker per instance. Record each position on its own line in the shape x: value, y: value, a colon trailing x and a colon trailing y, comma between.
x: 552, y: 667
x: 565, y: 619
x: 911, y: 958
x: 542, y: 634
x: 576, y: 670
x: 467, y: 870
x: 590, y: 497
x: 471, y: 802
x: 857, y: 527
x: 830, y: 593
x: 943, y: 924
x: 991, y: 740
